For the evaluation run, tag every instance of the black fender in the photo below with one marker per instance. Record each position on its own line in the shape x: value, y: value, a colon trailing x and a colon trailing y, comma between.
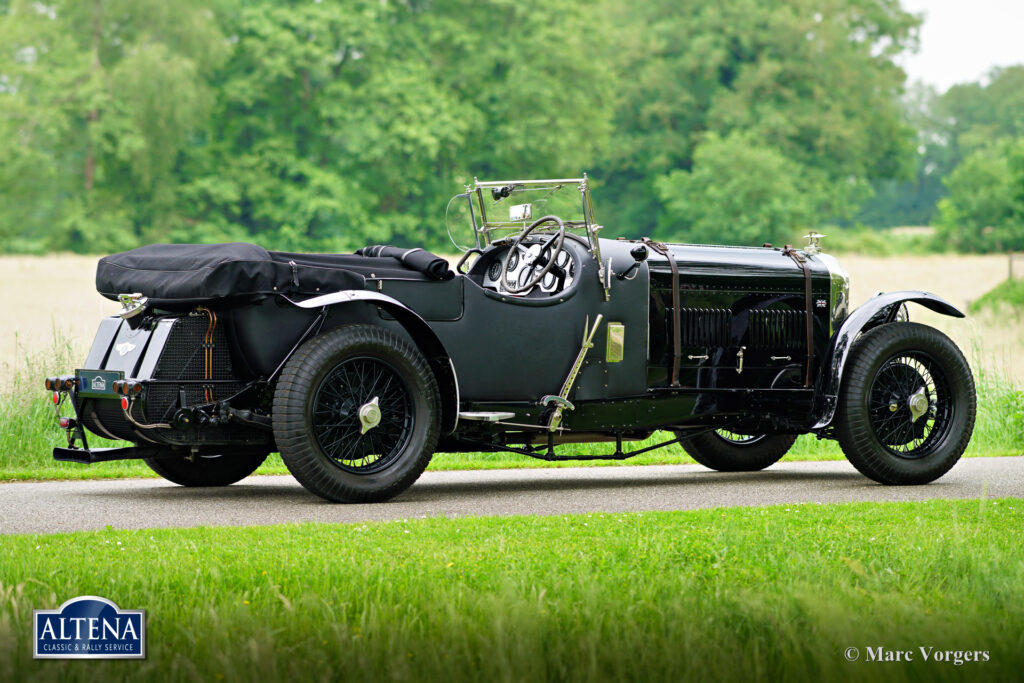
x: 422, y: 335
x: 878, y: 310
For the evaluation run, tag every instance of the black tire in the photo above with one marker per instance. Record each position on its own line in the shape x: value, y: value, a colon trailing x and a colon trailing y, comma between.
x: 727, y: 452
x: 875, y: 424
x: 317, y: 427
x: 220, y: 470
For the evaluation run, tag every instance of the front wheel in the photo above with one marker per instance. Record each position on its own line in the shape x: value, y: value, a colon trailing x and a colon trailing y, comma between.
x: 357, y: 414
x: 725, y: 451
x: 907, y: 404
x: 207, y: 470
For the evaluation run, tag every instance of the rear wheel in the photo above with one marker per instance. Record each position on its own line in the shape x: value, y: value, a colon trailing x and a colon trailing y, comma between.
x: 356, y: 414
x: 207, y: 470
x: 907, y: 404
x: 726, y: 451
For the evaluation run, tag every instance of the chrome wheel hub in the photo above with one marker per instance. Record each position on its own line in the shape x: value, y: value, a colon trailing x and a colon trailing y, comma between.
x: 369, y: 414
x: 918, y: 404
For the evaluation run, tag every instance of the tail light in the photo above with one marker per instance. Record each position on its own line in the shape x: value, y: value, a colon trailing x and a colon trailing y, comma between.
x: 64, y: 383
x: 66, y: 423
x: 56, y: 398
x: 127, y: 387
x: 124, y: 403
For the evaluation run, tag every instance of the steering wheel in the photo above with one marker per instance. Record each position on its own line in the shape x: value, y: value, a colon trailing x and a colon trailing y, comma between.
x: 538, y: 264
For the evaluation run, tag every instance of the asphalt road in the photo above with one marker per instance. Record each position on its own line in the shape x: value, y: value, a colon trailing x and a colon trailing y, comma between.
x: 142, y: 503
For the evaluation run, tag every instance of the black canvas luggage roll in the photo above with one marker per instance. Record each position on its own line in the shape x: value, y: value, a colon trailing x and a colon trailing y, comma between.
x: 431, y: 265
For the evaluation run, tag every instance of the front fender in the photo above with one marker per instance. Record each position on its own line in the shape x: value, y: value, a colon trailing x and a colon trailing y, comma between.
x: 878, y: 310
x: 422, y: 334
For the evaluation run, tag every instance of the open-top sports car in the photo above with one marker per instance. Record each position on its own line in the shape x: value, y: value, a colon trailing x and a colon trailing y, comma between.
x: 357, y: 368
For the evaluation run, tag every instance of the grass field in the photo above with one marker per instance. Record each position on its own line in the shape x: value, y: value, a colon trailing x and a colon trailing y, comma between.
x: 727, y: 594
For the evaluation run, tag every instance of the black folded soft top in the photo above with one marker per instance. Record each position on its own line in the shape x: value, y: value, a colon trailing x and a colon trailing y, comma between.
x: 177, y: 275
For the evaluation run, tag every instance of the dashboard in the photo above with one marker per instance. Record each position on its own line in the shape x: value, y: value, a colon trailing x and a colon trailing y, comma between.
x: 523, y: 265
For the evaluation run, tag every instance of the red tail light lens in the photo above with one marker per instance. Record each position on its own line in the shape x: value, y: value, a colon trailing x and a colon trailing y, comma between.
x: 56, y: 398
x: 124, y: 403
x: 65, y: 422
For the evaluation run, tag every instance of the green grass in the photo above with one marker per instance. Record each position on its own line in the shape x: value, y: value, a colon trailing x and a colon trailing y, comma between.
x: 1008, y: 294
x: 726, y: 594
x: 28, y: 432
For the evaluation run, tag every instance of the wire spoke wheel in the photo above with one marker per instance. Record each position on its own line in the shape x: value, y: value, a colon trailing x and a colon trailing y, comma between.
x: 910, y: 404
x: 347, y: 389
x: 906, y: 405
x: 357, y: 414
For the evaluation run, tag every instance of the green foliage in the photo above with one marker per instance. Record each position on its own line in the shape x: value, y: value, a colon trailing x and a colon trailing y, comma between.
x: 330, y: 125
x: 729, y: 594
x: 98, y: 99
x: 985, y: 207
x: 951, y: 126
x: 813, y: 81
x: 753, y: 190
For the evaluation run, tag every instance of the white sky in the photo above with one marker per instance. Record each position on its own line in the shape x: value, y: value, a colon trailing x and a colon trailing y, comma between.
x: 962, y: 39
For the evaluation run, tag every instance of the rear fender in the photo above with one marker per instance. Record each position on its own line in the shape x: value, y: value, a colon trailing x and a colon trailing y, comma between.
x: 422, y: 334
x: 878, y: 310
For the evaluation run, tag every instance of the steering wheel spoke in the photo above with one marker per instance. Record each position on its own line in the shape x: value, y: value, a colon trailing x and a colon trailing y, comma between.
x: 535, y: 267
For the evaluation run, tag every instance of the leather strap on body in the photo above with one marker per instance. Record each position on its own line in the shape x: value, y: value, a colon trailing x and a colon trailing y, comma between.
x: 677, y: 336
x: 801, y: 261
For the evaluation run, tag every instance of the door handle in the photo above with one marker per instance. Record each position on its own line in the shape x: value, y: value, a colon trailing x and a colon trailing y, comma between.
x: 782, y: 357
x: 704, y: 357
x: 739, y: 360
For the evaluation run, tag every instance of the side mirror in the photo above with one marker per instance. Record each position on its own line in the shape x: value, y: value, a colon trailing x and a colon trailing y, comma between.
x: 639, y: 254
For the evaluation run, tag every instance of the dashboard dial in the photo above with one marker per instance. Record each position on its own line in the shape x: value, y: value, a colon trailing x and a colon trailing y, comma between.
x: 494, y: 271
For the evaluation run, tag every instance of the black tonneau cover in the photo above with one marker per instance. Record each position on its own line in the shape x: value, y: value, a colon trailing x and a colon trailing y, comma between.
x: 182, y: 275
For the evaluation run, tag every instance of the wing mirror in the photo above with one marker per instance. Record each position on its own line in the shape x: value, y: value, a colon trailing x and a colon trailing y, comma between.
x: 639, y: 254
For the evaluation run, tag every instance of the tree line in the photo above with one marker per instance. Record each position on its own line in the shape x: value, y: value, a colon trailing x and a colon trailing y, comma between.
x: 329, y: 125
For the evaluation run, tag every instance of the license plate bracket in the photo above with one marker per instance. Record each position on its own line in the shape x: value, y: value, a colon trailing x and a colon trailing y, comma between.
x: 97, y: 383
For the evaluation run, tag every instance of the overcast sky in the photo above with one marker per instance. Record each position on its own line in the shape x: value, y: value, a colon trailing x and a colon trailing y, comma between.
x: 962, y: 39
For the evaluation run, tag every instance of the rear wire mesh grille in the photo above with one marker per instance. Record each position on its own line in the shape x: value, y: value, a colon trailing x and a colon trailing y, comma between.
x: 183, y: 359
x: 778, y: 329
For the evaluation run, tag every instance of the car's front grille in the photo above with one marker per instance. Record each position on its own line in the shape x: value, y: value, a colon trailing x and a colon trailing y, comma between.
x: 777, y: 329
x: 705, y: 326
